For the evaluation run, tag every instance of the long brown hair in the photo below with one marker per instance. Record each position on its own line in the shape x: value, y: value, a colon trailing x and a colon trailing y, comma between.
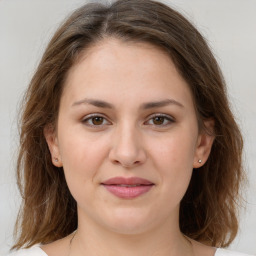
x: 208, y: 211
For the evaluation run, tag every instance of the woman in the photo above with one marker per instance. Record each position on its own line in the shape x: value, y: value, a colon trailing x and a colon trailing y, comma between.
x: 128, y: 145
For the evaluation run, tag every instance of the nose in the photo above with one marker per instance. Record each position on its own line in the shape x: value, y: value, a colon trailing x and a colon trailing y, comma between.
x: 127, y: 148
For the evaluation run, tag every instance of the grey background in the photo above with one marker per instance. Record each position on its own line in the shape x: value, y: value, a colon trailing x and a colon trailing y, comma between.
x: 27, y: 25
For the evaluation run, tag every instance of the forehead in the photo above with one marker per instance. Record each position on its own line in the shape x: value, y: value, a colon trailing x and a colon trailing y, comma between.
x: 115, y: 65
x: 110, y: 49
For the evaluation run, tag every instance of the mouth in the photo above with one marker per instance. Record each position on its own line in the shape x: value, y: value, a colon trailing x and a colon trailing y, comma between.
x: 128, y: 188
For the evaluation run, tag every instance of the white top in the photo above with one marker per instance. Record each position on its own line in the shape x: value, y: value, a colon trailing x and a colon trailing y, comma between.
x: 37, y: 251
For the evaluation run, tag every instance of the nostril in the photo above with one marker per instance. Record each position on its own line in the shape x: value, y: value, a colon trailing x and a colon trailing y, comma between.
x: 126, y: 156
x: 116, y: 162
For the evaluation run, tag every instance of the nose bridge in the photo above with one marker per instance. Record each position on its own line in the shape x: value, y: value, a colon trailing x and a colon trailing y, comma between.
x: 126, y: 138
x: 127, y: 148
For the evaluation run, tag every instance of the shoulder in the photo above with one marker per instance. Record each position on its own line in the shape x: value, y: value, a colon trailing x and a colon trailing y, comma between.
x: 58, y: 247
x: 224, y: 252
x: 202, y: 250
x: 33, y: 251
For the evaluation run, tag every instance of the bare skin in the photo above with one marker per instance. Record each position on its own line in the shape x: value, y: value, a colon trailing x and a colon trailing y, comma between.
x: 145, y: 126
x: 62, y: 247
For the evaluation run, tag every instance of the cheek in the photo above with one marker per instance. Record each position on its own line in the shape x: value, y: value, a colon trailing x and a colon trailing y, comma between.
x: 174, y: 161
x: 81, y: 157
x: 80, y: 150
x: 176, y: 150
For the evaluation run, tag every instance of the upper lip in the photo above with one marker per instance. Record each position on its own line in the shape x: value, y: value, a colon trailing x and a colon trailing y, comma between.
x: 127, y: 181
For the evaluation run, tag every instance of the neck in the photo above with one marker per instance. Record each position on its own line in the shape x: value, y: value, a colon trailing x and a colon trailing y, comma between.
x: 164, y: 240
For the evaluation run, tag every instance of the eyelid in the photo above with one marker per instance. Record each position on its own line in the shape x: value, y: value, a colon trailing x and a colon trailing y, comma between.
x: 86, y: 118
x: 90, y: 116
x: 166, y: 116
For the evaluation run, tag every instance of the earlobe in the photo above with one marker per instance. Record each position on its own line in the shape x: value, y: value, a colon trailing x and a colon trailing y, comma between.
x: 204, y: 144
x: 52, y: 141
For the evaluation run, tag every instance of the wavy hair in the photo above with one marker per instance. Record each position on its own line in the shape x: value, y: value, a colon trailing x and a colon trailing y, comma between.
x: 208, y: 211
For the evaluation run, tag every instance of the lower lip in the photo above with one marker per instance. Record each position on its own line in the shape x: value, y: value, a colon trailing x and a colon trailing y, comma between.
x: 128, y: 192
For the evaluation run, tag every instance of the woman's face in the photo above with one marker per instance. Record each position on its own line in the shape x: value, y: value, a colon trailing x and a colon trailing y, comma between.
x: 127, y: 137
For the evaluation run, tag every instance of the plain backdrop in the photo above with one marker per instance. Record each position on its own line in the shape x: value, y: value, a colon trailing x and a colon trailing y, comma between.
x: 27, y: 25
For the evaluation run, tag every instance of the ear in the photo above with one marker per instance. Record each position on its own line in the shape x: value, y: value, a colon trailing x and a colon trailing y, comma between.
x: 52, y: 141
x: 204, y: 144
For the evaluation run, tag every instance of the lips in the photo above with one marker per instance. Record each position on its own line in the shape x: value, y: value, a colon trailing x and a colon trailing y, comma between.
x: 127, y: 188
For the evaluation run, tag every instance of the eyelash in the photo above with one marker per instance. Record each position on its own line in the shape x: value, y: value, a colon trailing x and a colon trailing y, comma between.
x: 166, y: 118
x: 88, y: 120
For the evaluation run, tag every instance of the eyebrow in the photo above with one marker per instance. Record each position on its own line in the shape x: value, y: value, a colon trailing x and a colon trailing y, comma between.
x: 162, y: 103
x: 94, y: 102
x: 147, y: 105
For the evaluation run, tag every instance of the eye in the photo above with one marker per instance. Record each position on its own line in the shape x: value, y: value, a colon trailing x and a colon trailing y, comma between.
x: 160, y: 120
x: 95, y: 120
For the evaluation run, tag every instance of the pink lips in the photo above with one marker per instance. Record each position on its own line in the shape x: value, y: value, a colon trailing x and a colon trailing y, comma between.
x: 127, y: 188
